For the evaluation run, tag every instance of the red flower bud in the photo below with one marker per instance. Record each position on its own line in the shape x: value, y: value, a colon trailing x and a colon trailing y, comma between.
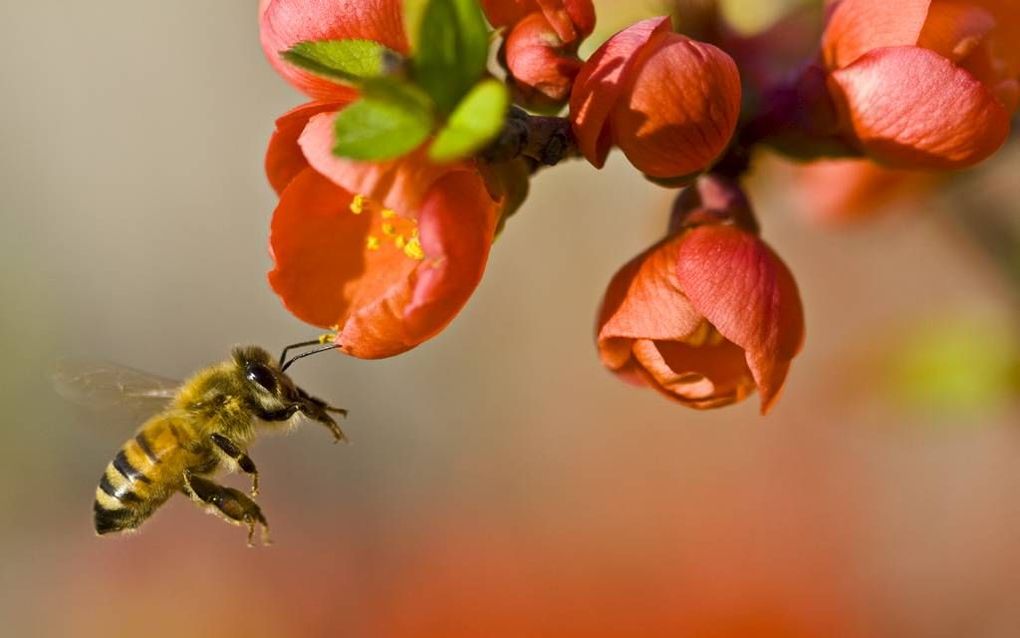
x: 668, y: 102
x: 708, y: 314
x: 541, y: 65
x: 572, y: 20
x: 925, y: 83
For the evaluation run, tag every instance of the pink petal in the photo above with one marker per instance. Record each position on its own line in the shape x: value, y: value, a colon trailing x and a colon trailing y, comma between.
x: 644, y: 301
x: 748, y: 294
x: 858, y: 26
x: 284, y: 23
x: 912, y: 108
x: 399, y: 184
x: 284, y: 159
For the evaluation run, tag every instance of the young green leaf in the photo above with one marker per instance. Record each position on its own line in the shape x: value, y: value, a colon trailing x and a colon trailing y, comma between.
x: 349, y: 61
x: 454, y: 51
x: 475, y: 122
x: 390, y: 120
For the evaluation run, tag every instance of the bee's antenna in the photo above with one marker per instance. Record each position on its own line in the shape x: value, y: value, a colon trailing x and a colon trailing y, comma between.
x: 321, y: 341
x: 283, y: 368
x: 303, y: 344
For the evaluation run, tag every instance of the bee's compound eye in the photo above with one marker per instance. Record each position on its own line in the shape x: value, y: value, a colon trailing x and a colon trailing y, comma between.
x: 261, y: 375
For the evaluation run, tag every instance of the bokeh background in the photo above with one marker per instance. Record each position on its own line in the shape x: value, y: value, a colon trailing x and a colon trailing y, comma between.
x: 500, y: 482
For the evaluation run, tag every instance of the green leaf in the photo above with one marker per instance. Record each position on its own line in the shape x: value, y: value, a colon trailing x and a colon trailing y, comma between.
x: 476, y: 121
x: 390, y: 120
x: 454, y: 52
x: 349, y: 61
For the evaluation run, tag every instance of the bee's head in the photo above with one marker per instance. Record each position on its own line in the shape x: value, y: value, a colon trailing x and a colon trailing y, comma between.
x: 263, y: 380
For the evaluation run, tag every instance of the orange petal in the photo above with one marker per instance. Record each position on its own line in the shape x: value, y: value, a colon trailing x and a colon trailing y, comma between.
x: 318, y: 246
x: 953, y: 29
x: 679, y: 109
x: 701, y: 377
x: 600, y: 83
x: 398, y: 184
x: 912, y: 108
x: 572, y: 20
x: 858, y: 26
x: 284, y: 159
x: 735, y: 281
x: 284, y: 23
x: 542, y: 71
x: 644, y: 301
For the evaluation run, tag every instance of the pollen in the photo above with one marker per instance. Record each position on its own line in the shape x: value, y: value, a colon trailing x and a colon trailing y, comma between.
x: 358, y: 204
x: 400, y: 241
x: 372, y: 242
x: 388, y: 213
x: 389, y: 230
x: 414, y: 250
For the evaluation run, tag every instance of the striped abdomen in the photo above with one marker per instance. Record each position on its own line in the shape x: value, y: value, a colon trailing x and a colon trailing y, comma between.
x: 142, y: 476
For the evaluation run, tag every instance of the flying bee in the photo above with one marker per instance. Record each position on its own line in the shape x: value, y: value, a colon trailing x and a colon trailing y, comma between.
x: 205, y: 424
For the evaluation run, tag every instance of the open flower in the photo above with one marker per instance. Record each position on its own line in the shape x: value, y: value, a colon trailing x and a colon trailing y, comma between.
x: 924, y: 83
x: 385, y: 253
x: 668, y: 102
x: 709, y: 313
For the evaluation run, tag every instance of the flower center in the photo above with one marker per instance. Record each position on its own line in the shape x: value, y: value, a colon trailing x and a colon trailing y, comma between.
x: 389, y: 230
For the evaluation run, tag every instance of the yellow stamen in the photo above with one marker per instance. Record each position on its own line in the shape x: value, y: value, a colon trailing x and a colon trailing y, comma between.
x: 389, y: 230
x: 388, y: 213
x: 358, y: 204
x: 414, y: 250
x: 372, y: 243
x: 400, y: 241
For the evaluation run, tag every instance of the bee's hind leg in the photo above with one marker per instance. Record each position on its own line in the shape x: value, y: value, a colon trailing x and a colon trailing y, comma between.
x: 232, y: 505
x: 244, y: 461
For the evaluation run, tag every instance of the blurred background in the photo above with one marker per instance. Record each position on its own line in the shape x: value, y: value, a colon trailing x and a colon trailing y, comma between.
x: 499, y: 482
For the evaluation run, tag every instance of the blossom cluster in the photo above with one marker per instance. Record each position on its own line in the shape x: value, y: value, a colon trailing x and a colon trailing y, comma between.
x: 418, y: 144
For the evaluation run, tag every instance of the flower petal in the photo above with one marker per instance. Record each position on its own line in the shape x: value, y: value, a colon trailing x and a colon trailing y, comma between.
x: 543, y: 73
x: 600, y: 83
x: 680, y: 107
x: 318, y: 246
x: 284, y: 23
x: 858, y: 26
x: 284, y: 159
x: 644, y: 301
x: 912, y: 108
x: 701, y: 377
x: 398, y: 184
x: 741, y: 286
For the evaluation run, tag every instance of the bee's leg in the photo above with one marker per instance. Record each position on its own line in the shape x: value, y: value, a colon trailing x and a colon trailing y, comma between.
x: 244, y: 461
x: 230, y: 504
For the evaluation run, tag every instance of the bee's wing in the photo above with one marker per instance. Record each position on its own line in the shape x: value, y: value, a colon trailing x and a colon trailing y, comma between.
x: 103, y: 385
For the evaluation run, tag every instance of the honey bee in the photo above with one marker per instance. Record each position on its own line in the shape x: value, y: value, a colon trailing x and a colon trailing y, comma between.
x: 204, y: 425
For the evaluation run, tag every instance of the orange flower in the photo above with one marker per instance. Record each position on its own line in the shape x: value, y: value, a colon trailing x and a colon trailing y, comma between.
x: 708, y: 314
x: 384, y: 253
x: 668, y: 102
x: 925, y: 83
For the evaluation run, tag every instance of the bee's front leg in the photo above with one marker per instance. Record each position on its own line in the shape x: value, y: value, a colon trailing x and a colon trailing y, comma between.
x: 230, y: 504
x: 244, y: 461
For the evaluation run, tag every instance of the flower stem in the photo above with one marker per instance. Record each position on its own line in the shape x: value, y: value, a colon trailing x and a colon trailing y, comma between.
x: 547, y: 141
